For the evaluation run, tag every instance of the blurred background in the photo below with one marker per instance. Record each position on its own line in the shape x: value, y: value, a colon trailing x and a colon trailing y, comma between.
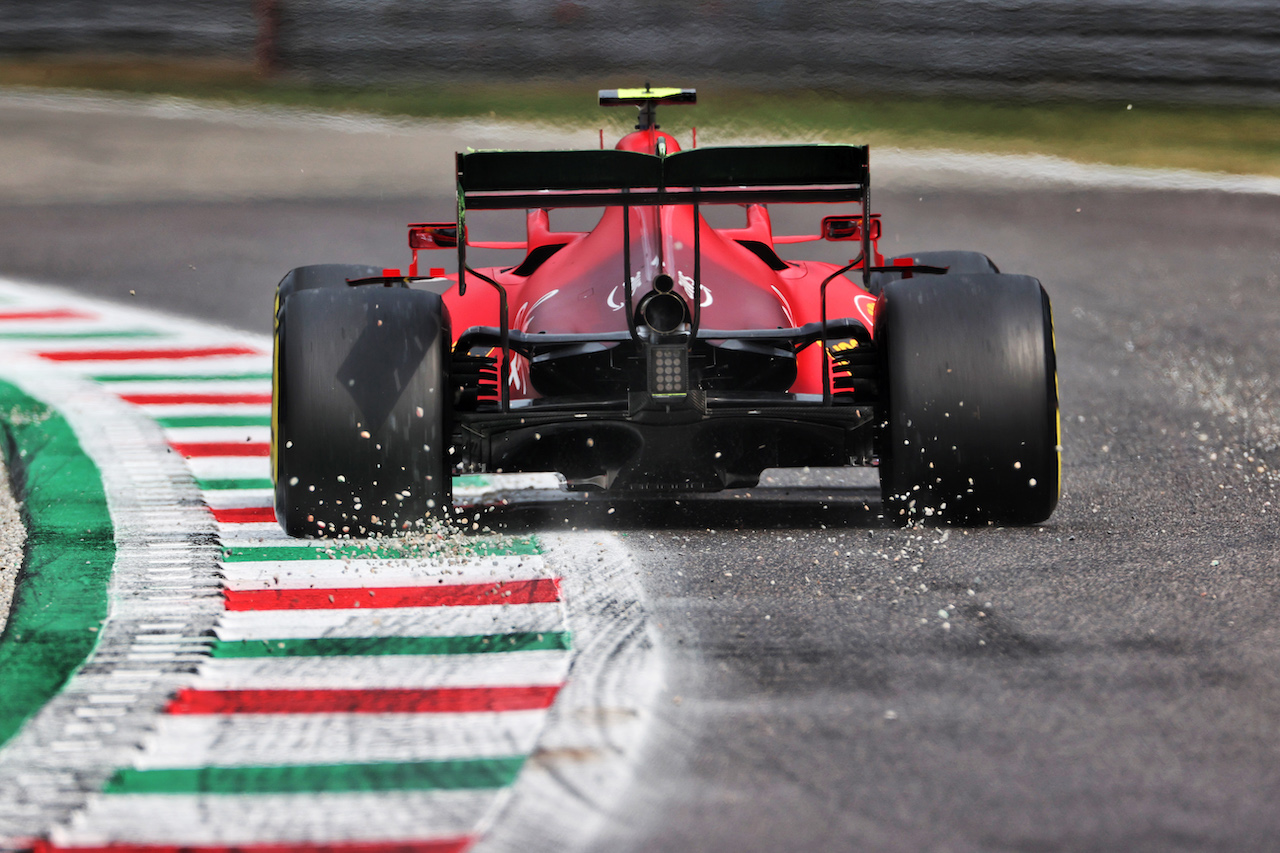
x: 1172, y: 50
x: 198, y: 150
x: 1117, y: 690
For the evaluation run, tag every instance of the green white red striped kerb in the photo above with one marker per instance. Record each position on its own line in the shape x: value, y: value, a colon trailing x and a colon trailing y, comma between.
x: 343, y: 697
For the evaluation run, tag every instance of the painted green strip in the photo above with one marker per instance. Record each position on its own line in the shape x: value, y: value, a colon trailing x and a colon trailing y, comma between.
x: 181, y: 377
x: 470, y: 481
x: 523, y: 641
x: 455, y: 775
x: 521, y: 546
x: 61, y: 595
x: 223, y: 485
x: 182, y: 421
x: 78, y: 336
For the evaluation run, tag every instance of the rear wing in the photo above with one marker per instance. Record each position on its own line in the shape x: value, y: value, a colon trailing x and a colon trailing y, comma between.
x: 518, y: 180
x: 646, y: 96
x: 505, y: 180
x: 647, y: 99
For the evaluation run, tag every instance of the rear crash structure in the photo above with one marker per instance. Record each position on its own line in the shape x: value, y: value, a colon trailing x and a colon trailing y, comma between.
x: 655, y: 353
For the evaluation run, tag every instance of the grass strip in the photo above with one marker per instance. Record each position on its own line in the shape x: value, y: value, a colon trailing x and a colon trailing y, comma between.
x: 449, y: 775
x: 522, y: 641
x: 1207, y: 137
x: 61, y: 595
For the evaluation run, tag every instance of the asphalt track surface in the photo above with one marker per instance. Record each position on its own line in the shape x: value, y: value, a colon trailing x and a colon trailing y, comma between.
x: 1109, y: 680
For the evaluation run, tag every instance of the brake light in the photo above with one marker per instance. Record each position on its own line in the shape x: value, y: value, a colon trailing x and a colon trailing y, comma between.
x: 433, y: 235
x: 849, y: 227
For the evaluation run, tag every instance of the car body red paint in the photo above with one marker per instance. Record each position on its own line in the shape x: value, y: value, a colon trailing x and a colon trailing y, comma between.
x: 656, y: 352
x: 577, y: 290
x: 572, y: 283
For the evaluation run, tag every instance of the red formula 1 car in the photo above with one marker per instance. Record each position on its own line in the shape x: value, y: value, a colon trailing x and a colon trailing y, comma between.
x: 655, y: 353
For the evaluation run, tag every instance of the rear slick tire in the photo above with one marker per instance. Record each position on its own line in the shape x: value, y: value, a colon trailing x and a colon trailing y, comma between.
x: 956, y: 262
x: 322, y: 277
x: 360, y: 411
x: 969, y: 430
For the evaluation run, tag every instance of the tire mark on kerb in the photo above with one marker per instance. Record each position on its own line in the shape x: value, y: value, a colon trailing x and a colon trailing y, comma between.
x: 478, y: 735
x: 162, y: 587
x: 573, y: 782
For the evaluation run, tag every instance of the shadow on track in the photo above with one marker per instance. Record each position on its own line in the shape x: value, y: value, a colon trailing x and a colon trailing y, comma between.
x: 759, y: 509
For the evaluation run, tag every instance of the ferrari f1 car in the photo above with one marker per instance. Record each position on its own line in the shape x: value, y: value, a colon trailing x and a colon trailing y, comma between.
x: 655, y: 353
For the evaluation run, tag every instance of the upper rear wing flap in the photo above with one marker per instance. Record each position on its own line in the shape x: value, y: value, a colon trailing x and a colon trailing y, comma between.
x: 525, y: 179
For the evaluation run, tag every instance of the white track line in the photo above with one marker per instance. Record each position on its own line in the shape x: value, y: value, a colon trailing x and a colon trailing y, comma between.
x: 182, y: 820
x: 349, y: 573
x: 267, y: 739
x: 383, y: 672
x: 390, y: 622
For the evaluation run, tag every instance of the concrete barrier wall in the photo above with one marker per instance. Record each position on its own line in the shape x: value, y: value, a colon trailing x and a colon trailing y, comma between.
x: 1224, y: 50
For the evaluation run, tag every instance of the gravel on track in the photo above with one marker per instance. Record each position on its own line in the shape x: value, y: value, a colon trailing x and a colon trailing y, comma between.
x: 12, y: 538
